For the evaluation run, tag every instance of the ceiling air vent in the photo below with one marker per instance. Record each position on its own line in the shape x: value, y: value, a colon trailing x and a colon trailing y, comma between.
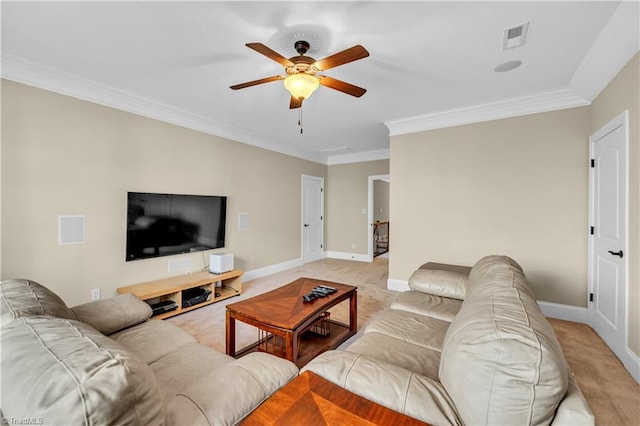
x: 515, y: 36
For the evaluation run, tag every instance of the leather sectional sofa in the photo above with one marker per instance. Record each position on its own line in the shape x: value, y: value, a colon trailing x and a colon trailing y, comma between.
x: 462, y: 346
x: 105, y: 362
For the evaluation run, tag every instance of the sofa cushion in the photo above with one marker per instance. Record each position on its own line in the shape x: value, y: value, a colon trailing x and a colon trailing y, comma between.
x: 501, y: 346
x: 153, y: 339
x: 113, y: 314
x: 442, y: 308
x: 398, y: 352
x: 178, y: 369
x: 493, y: 271
x: 66, y: 372
x: 25, y: 297
x: 439, y: 282
x: 389, y: 385
x: 420, y: 330
x: 226, y: 395
x: 460, y: 269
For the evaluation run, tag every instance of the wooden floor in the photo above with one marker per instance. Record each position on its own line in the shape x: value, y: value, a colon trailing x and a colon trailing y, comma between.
x: 612, y: 394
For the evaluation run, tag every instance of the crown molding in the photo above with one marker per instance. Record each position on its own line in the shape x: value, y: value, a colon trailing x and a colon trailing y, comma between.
x: 512, y: 107
x: 26, y: 72
x: 618, y: 42
x: 358, y: 157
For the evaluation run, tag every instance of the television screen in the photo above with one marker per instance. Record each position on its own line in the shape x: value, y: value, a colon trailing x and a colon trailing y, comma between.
x: 166, y: 224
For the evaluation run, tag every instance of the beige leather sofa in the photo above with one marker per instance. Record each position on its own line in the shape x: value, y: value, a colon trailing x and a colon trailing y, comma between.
x: 106, y: 363
x: 463, y: 346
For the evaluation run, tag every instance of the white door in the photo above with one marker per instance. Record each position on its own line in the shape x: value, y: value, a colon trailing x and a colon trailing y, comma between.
x: 312, y: 218
x: 607, y: 244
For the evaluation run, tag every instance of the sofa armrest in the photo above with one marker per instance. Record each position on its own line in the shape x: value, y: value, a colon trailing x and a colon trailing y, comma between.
x: 573, y: 409
x: 114, y: 314
x: 389, y: 385
x: 440, y: 282
x: 228, y: 394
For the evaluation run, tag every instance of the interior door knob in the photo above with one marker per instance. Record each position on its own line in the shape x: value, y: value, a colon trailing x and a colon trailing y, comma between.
x: 616, y: 253
x: 306, y: 224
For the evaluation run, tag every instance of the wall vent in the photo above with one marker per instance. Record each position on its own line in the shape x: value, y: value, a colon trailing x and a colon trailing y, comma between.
x: 515, y: 36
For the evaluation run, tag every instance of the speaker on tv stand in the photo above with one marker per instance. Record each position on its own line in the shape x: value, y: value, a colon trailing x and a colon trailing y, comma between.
x: 220, y: 263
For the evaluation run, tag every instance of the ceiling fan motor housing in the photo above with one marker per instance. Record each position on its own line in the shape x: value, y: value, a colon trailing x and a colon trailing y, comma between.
x: 301, y: 46
x: 301, y: 63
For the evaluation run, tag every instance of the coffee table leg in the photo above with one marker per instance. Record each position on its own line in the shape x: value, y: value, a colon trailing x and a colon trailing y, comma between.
x: 291, y: 348
x: 353, y: 312
x: 231, y: 335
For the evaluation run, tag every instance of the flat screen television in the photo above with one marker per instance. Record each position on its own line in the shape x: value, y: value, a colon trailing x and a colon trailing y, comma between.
x: 166, y: 224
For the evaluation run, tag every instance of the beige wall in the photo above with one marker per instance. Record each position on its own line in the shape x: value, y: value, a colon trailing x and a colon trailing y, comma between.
x: 380, y: 201
x: 61, y: 155
x: 347, y: 194
x: 516, y: 186
x: 623, y: 93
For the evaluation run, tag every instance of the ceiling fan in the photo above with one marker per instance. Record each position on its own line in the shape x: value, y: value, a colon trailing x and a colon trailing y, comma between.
x: 302, y: 77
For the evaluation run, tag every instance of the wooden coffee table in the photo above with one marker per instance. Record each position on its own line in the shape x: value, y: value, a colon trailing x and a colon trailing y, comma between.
x: 312, y: 400
x: 285, y: 321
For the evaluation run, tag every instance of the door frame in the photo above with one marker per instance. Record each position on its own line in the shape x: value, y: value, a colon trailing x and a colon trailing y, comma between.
x: 302, y: 207
x: 370, y: 214
x: 624, y: 353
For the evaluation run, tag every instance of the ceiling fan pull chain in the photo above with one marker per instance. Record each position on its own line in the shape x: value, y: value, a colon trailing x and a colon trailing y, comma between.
x: 300, y: 119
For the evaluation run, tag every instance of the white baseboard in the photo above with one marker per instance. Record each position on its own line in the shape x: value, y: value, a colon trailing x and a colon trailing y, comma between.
x: 631, y: 361
x: 397, y: 285
x: 271, y: 269
x: 347, y: 256
x: 564, y: 312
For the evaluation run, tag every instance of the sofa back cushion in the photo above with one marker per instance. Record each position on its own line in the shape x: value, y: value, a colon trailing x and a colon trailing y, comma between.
x: 439, y: 283
x: 65, y: 372
x: 501, y: 362
x: 20, y: 297
x: 114, y: 314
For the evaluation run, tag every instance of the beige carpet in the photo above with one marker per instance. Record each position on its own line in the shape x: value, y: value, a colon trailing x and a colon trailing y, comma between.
x: 611, y: 392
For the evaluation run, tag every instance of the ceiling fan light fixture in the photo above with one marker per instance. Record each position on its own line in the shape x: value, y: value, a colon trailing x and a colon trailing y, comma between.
x: 301, y: 85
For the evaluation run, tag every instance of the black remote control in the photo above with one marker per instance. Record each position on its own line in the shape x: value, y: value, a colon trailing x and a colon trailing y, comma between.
x: 331, y: 289
x: 318, y: 291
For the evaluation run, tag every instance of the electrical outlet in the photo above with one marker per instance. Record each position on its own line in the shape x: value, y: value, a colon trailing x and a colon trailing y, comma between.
x: 353, y: 246
x: 95, y: 294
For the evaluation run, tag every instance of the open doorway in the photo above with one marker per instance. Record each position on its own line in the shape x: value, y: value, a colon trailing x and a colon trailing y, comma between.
x: 378, y: 219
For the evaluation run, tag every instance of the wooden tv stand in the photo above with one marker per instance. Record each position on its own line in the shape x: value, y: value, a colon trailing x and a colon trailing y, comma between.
x: 230, y: 284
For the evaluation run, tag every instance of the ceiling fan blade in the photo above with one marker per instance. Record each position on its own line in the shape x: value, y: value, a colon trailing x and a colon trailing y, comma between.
x: 295, y: 102
x: 349, y: 55
x: 342, y: 86
x: 270, y: 53
x: 256, y: 82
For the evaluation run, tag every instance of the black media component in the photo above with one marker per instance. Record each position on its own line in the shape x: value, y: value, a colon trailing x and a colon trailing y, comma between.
x: 195, y: 296
x: 162, y: 307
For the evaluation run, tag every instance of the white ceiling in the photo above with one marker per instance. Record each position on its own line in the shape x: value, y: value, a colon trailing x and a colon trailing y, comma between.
x: 175, y: 61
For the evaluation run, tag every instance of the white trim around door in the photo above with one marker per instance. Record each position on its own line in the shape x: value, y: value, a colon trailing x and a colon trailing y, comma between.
x: 370, y: 215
